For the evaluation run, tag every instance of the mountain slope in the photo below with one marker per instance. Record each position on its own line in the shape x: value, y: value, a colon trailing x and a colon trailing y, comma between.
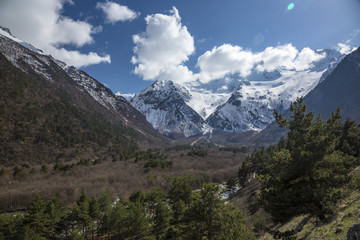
x: 340, y: 89
x: 45, y: 113
x: 25, y: 58
x: 164, y: 105
x: 251, y: 106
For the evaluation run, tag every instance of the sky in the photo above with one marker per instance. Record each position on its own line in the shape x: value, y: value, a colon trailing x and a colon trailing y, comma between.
x: 127, y: 44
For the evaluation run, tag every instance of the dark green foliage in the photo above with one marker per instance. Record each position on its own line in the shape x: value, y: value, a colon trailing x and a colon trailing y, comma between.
x: 154, y: 159
x: 44, y: 168
x: 231, y: 184
x: 37, y: 218
x: 84, y: 162
x: 209, y: 217
x: 158, y: 164
x: 234, y: 149
x: 180, y: 147
x: 198, y: 152
x: 304, y: 174
x: 180, y: 190
x: 10, y: 226
x: 18, y: 172
x: 187, y: 215
x: 63, y: 167
x: 138, y: 196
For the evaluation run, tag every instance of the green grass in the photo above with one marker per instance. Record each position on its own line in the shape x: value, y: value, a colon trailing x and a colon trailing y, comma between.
x: 336, y: 227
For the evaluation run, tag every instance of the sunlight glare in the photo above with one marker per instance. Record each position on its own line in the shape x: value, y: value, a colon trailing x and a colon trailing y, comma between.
x: 290, y: 6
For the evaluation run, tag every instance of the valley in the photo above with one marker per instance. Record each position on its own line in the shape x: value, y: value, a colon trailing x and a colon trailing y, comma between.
x: 66, y: 137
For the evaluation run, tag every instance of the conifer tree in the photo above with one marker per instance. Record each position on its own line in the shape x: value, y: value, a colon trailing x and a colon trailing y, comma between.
x: 36, y: 217
x: 304, y: 177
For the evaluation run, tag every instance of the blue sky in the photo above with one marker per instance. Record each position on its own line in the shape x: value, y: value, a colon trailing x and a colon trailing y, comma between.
x: 84, y: 26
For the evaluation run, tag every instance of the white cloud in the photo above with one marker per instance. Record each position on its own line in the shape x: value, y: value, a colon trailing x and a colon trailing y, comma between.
x: 306, y: 58
x: 274, y: 57
x: 115, y: 12
x: 77, y: 59
x: 128, y: 96
x: 234, y: 59
x: 225, y: 59
x: 160, y: 52
x: 345, y: 48
x: 41, y: 24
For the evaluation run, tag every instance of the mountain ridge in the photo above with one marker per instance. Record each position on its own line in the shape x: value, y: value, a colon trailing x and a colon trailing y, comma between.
x: 46, y: 115
x: 236, y: 104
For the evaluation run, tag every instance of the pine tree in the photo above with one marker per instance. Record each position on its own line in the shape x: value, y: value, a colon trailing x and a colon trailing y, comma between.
x: 36, y: 217
x: 81, y: 213
x: 305, y: 176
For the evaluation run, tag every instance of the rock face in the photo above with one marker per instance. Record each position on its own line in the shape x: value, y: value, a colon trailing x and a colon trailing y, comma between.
x: 164, y: 105
x: 353, y: 232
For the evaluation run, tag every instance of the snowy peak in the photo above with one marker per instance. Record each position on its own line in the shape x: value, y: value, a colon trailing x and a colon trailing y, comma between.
x: 164, y: 105
x: 6, y: 30
x: 7, y: 33
x: 161, y: 90
x: 234, y: 103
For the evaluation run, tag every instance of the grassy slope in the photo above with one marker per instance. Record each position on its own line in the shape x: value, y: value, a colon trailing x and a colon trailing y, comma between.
x: 336, y: 227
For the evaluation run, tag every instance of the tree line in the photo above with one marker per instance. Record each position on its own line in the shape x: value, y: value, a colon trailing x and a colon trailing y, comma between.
x: 180, y: 213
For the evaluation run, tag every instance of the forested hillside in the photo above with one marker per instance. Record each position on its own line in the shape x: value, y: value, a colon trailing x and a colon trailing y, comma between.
x: 40, y: 121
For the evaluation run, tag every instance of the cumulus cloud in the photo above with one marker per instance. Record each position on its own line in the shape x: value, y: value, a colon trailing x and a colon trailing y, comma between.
x: 274, y: 57
x: 345, y: 48
x: 77, y: 59
x: 41, y: 24
x: 115, y: 12
x: 306, y: 59
x: 225, y: 59
x: 160, y: 52
x: 234, y: 59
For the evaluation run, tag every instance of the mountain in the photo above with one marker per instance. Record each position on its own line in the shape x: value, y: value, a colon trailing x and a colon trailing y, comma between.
x: 164, y: 105
x: 232, y: 104
x: 251, y: 106
x: 48, y: 108
x: 340, y: 89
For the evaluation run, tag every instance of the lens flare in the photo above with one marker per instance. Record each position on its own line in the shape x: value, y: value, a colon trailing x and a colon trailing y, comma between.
x: 290, y: 6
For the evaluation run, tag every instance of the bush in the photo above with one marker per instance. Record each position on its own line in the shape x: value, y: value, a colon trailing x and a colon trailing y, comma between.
x: 4, y: 172
x: 198, y: 152
x: 355, y: 182
x: 44, y: 168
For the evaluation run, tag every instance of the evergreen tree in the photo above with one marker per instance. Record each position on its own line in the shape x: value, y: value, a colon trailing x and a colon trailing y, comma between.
x: 81, y: 213
x: 95, y: 215
x: 36, y: 217
x: 305, y: 176
x: 54, y: 210
x: 118, y: 221
x: 210, y: 218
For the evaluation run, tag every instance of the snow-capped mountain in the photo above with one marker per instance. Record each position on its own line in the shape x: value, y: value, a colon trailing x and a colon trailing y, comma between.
x: 251, y: 106
x: 164, y: 105
x: 233, y: 103
x: 30, y: 59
